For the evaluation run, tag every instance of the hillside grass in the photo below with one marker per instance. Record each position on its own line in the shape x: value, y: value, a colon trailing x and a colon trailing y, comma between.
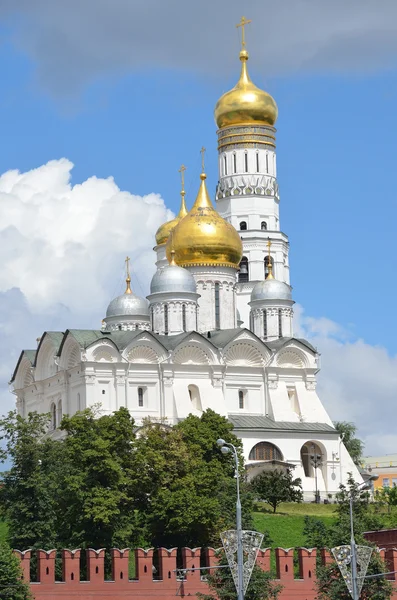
x: 286, y: 526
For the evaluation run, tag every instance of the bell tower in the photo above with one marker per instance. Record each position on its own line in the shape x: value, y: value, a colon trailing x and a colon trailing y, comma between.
x: 247, y: 193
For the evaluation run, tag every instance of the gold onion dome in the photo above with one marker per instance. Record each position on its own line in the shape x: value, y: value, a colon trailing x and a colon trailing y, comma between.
x: 203, y: 237
x: 163, y: 232
x: 245, y: 104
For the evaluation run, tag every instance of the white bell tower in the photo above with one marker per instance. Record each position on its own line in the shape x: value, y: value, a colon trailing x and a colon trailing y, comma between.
x: 247, y: 193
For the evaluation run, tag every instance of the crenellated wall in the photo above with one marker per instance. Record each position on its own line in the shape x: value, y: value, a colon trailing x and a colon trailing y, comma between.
x: 167, y: 582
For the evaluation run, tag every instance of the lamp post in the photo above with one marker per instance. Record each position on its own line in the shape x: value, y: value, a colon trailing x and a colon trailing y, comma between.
x: 316, y: 460
x: 353, y: 549
x: 226, y: 449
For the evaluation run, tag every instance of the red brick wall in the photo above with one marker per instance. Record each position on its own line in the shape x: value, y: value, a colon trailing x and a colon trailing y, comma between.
x: 168, y: 585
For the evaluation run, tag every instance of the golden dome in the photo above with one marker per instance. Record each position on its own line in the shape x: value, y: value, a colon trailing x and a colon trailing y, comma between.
x: 245, y: 104
x: 203, y: 237
x: 163, y: 232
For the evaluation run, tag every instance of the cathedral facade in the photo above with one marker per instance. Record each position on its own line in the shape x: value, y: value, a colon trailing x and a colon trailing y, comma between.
x: 216, y: 330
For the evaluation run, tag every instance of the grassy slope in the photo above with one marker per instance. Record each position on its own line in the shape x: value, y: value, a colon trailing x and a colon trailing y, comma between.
x: 286, y: 526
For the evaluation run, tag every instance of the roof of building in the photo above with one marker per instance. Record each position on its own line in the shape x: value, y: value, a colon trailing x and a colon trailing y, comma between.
x: 265, y: 423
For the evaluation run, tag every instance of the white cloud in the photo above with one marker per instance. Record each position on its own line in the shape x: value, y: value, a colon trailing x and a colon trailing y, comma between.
x: 62, y: 250
x: 357, y: 381
x: 75, y: 42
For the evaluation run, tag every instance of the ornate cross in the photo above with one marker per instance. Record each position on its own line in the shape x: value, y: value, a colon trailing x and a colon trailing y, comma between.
x: 202, y: 151
x: 182, y: 172
x: 242, y: 24
x: 127, y: 265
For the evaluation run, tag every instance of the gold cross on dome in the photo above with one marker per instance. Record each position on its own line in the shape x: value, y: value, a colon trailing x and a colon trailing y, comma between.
x: 182, y: 172
x: 242, y: 24
x: 202, y: 151
x: 127, y: 265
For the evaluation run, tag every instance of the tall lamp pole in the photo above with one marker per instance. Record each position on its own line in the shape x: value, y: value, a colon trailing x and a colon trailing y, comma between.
x: 353, y: 549
x: 226, y: 449
x: 316, y: 460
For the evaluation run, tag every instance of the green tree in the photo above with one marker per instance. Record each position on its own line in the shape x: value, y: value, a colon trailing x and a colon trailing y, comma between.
x: 97, y: 489
x: 222, y: 587
x: 25, y: 496
x: 354, y: 445
x: 276, y: 486
x: 11, y: 585
x: 330, y: 583
x: 188, y: 484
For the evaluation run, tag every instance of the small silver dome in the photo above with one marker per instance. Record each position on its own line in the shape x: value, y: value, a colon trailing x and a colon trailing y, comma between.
x: 271, y: 289
x: 172, y: 279
x: 128, y: 305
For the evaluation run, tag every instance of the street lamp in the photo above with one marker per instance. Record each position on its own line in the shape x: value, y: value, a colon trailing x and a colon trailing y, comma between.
x: 366, y: 485
x: 316, y: 460
x: 226, y: 449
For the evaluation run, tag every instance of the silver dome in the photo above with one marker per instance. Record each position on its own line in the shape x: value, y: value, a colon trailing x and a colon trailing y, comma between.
x: 271, y: 289
x: 127, y: 305
x: 172, y: 279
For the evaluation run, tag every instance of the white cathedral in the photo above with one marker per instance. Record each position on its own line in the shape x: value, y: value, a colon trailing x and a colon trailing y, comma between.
x: 216, y: 330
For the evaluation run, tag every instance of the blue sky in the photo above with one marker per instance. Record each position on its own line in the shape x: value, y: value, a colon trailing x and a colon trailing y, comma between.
x: 119, y: 97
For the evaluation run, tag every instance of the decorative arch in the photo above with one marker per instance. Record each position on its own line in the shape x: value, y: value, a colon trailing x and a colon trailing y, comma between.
x: 313, y: 452
x: 265, y: 451
x: 243, y: 354
x: 142, y: 354
x: 70, y: 353
x: 45, y: 362
x: 73, y: 357
x: 24, y: 376
x: 103, y: 355
x: 190, y: 355
x: 292, y: 359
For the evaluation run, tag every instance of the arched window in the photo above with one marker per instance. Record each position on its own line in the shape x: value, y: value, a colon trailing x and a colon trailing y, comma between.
x: 140, y: 397
x: 246, y: 162
x: 267, y: 163
x: 184, y: 317
x: 59, y: 412
x: 235, y: 162
x: 217, y: 308
x: 243, y: 274
x: 224, y: 164
x: 280, y: 323
x: 241, y: 399
x: 265, y: 323
x: 194, y: 394
x: 263, y: 225
x: 267, y: 265
x: 312, y: 458
x: 257, y: 162
x: 265, y: 451
x: 53, y: 411
x: 166, y: 319
x: 243, y: 226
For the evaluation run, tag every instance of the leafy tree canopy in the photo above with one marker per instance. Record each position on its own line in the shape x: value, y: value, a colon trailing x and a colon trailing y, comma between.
x: 354, y: 446
x: 276, y: 486
x: 11, y: 585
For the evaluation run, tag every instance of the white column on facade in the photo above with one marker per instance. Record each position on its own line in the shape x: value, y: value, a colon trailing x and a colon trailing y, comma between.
x: 209, y: 281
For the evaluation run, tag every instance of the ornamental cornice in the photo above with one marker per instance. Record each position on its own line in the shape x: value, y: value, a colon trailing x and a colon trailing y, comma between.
x: 247, y: 185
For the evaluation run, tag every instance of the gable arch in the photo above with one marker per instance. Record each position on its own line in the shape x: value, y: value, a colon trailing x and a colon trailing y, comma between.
x: 70, y: 354
x: 102, y: 351
x: 244, y: 354
x: 45, y: 360
x: 191, y: 354
x: 143, y: 354
x: 292, y: 358
x: 24, y: 376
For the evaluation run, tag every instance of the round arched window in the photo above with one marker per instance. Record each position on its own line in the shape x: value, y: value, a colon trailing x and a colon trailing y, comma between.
x: 265, y: 451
